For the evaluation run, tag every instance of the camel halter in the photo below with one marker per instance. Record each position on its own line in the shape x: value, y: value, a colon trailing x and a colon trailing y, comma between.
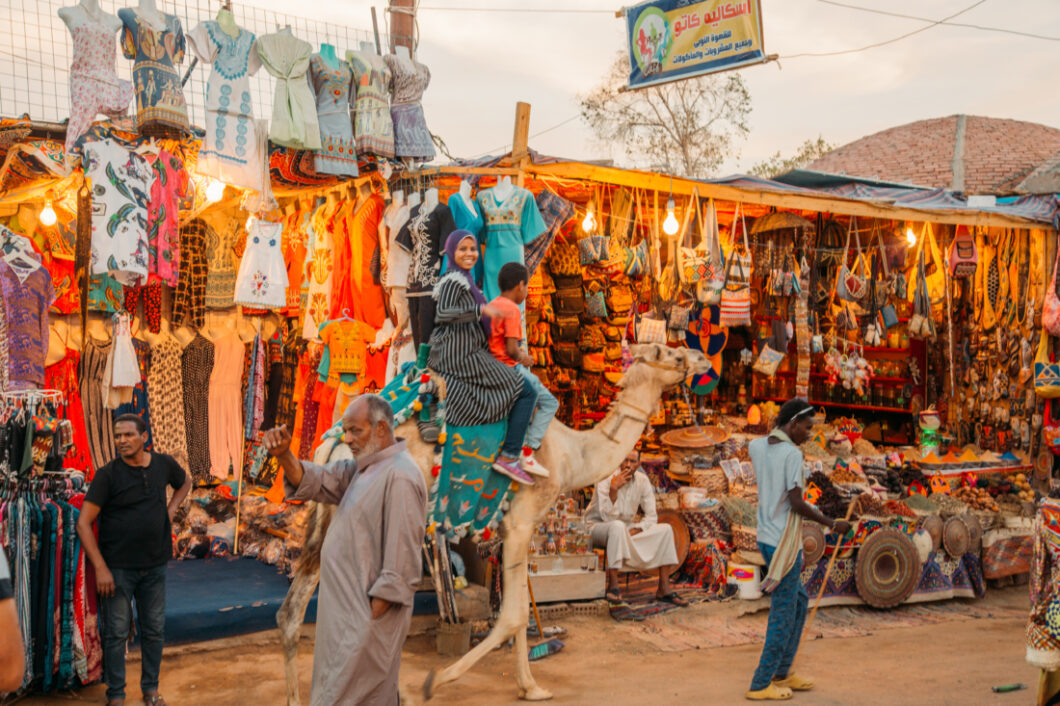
x: 642, y: 416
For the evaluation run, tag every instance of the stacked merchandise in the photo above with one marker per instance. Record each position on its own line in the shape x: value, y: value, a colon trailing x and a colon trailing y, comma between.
x: 54, y: 585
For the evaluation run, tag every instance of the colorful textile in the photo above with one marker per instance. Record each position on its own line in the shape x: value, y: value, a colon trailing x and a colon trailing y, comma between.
x: 28, y: 294
x: 470, y: 496
x: 1006, y: 555
x: 510, y: 225
x: 357, y: 292
x: 151, y: 294
x: 171, y: 184
x: 94, y: 84
x: 121, y: 186
x: 155, y: 51
x: 189, y: 301
x: 262, y: 279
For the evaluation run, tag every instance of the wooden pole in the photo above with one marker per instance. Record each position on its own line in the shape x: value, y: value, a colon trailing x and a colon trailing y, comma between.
x: 403, y: 25
x: 521, y: 141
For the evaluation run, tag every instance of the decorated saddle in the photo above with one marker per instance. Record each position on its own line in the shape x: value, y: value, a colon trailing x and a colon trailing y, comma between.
x: 468, y: 498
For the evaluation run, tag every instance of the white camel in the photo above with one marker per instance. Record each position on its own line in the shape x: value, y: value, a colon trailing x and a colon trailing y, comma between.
x: 577, y: 459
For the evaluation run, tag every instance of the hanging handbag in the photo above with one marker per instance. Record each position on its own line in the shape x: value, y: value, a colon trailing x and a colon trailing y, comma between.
x: 678, y: 318
x: 934, y: 267
x: 768, y: 361
x: 1051, y: 305
x: 1051, y: 428
x: 735, y: 303
x: 694, y: 262
x: 651, y: 330
x: 827, y: 261
x: 567, y: 355
x: 563, y: 259
x: 709, y: 288
x: 964, y: 258
x: 885, y: 287
x: 851, y: 286
x: 566, y: 328
x: 595, y: 302
x: 1046, y: 372
x: 619, y: 298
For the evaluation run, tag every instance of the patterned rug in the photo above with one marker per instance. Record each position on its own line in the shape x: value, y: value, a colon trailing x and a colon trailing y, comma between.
x: 639, y: 602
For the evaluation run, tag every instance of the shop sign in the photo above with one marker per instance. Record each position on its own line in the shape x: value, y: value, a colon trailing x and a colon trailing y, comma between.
x: 676, y: 39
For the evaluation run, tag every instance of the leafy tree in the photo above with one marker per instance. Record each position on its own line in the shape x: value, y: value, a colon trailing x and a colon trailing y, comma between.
x: 808, y: 152
x: 687, y: 127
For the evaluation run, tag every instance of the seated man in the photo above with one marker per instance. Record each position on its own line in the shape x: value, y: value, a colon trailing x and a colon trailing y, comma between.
x: 632, y: 546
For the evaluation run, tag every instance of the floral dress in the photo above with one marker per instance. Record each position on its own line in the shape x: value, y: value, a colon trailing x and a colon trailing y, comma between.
x: 333, y: 85
x: 230, y: 152
x: 262, y: 279
x: 94, y: 84
x: 156, y: 52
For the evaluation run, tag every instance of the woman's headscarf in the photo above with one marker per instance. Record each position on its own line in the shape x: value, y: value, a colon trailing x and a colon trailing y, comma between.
x: 451, y: 244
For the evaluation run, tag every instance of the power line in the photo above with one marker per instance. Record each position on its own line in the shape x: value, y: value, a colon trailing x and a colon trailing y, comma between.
x: 934, y: 23
x: 551, y: 11
x: 949, y: 24
x: 531, y: 137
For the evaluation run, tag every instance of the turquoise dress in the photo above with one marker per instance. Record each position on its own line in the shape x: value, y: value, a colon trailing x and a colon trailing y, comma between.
x: 508, y: 226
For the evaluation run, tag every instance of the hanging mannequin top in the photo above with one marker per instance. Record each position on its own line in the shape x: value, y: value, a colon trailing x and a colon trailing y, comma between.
x: 155, y: 41
x: 373, y: 125
x: 466, y: 215
x: 332, y: 80
x: 94, y: 83
x: 511, y: 222
x: 230, y: 151
x: 294, y: 113
x: 411, y: 137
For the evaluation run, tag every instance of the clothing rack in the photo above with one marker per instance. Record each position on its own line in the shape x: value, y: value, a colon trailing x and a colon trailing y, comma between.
x: 34, y: 396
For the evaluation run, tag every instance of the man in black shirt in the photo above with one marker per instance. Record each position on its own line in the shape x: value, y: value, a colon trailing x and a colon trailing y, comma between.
x: 135, y: 542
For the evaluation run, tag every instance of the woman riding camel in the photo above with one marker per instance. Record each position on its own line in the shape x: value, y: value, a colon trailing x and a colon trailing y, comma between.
x: 480, y: 388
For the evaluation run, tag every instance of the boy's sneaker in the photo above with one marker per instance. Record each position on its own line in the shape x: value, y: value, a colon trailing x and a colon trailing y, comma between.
x: 512, y: 470
x: 530, y: 464
x: 429, y: 432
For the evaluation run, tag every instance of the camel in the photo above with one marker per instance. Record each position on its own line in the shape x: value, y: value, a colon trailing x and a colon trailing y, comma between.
x: 577, y: 459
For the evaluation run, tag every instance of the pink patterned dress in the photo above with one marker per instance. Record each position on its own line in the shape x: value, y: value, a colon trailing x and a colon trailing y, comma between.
x: 94, y: 84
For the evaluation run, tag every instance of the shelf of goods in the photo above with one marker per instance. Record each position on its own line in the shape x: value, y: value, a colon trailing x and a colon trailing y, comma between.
x: 566, y: 577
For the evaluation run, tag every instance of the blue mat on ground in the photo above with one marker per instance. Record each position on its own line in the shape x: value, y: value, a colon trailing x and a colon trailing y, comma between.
x: 207, y: 599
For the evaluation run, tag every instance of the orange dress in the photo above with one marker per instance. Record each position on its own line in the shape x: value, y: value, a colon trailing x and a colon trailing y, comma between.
x: 356, y: 234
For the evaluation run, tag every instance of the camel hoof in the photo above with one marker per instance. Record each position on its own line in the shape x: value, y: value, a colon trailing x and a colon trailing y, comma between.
x: 428, y: 685
x: 535, y: 693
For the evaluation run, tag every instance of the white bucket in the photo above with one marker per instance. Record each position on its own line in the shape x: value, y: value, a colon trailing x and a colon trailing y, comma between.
x: 745, y: 578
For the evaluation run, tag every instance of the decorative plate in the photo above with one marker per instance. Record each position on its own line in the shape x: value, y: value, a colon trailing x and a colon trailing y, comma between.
x: 887, y: 570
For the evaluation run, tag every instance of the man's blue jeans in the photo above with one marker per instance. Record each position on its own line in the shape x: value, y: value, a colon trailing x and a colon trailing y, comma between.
x: 547, y: 405
x: 787, y: 615
x: 148, y: 588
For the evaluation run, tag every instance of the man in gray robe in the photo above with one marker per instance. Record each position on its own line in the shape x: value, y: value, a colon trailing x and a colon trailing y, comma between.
x: 370, y: 561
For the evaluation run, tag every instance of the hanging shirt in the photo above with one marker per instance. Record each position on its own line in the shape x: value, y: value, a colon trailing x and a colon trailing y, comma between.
x: 121, y: 186
x: 397, y: 264
x: 170, y: 185
x: 28, y: 293
x: 423, y: 237
x: 159, y: 91
x: 509, y: 226
x: 294, y: 112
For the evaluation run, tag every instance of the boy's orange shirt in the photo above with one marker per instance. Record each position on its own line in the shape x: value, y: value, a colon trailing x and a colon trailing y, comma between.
x: 511, y: 326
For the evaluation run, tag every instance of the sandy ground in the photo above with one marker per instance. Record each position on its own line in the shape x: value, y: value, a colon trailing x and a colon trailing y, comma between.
x: 605, y: 662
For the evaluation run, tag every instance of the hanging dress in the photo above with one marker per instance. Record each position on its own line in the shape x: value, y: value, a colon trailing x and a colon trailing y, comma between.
x: 262, y: 279
x: 225, y: 402
x: 165, y: 397
x: 189, y: 301
x: 357, y: 289
x: 122, y: 371
x: 94, y: 359
x: 412, y: 139
x: 170, y: 185
x: 230, y: 151
x: 373, y: 126
x: 94, y: 84
x: 221, y: 262
x: 319, y: 268
x: 332, y: 84
x: 28, y: 294
x: 294, y: 111
x: 63, y: 376
x: 139, y: 404
x: 197, y: 367
x: 509, y: 225
x: 121, y: 187
x: 156, y: 52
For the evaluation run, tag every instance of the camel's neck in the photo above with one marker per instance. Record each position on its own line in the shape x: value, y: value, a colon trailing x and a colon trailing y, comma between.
x: 604, y: 447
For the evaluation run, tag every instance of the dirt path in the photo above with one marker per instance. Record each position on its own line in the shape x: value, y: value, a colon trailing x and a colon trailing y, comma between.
x: 952, y: 662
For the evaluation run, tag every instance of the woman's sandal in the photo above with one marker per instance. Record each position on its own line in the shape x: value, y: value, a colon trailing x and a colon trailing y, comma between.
x: 613, y: 597
x: 154, y: 700
x: 673, y: 598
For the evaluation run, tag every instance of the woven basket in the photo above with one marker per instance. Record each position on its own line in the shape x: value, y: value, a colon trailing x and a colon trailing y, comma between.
x: 668, y: 501
x: 708, y: 524
x: 747, y: 492
x: 712, y: 480
x: 681, y: 460
x: 987, y: 520
x: 745, y: 538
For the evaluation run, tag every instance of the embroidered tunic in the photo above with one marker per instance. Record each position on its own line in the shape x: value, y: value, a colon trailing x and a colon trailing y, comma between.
x: 373, y: 125
x: 333, y: 85
x: 411, y: 136
x: 230, y: 151
x: 509, y: 225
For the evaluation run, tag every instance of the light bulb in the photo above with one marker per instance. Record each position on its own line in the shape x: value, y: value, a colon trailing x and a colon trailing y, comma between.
x: 589, y: 224
x: 910, y: 236
x: 47, y: 216
x: 670, y: 224
x: 215, y: 191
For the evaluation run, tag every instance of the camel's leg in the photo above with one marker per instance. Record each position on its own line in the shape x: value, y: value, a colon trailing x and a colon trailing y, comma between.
x: 289, y: 619
x: 512, y: 620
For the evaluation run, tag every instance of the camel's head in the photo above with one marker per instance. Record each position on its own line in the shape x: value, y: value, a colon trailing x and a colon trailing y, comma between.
x: 671, y: 365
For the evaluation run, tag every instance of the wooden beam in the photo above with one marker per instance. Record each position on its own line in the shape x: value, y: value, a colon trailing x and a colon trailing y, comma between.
x: 521, y: 138
x: 795, y: 201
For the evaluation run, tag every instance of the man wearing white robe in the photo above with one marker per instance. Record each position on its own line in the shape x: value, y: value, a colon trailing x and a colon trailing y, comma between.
x: 630, y: 545
x: 370, y: 561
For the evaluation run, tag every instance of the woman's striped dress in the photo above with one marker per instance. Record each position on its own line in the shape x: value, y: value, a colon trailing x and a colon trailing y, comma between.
x: 480, y: 389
